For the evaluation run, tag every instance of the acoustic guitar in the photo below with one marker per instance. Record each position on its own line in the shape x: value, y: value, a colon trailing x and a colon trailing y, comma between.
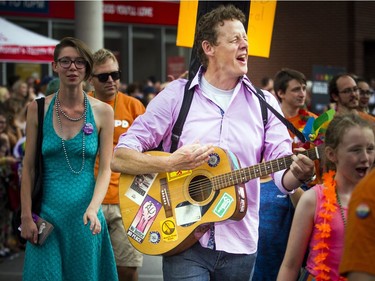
x: 166, y: 213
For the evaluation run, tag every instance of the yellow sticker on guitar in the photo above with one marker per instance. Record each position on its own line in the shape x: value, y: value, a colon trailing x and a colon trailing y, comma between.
x: 168, y: 230
x: 178, y: 174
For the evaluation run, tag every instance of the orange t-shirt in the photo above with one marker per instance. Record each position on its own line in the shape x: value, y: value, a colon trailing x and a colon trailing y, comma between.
x: 126, y: 111
x: 359, y: 245
x: 366, y: 116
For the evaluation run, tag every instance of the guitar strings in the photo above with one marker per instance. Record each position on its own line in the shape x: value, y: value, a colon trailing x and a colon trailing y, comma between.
x: 216, y: 182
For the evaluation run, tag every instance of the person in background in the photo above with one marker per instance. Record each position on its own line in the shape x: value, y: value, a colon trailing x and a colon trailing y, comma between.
x: 76, y: 128
x: 277, y: 209
x: 225, y: 112
x: 365, y: 94
x: 135, y: 90
x: 344, y: 92
x: 4, y: 94
x: 42, y: 86
x: 105, y: 80
x: 16, y: 119
x: 267, y: 84
x: 357, y: 262
x: 9, y: 188
x: 21, y: 93
x: 321, y: 215
x: 149, y: 93
x: 53, y: 86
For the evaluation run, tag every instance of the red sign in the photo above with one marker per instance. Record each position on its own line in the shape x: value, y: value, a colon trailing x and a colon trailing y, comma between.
x: 143, y: 12
x: 26, y: 53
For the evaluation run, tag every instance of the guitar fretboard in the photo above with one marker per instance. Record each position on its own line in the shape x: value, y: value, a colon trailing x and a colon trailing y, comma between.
x: 263, y: 169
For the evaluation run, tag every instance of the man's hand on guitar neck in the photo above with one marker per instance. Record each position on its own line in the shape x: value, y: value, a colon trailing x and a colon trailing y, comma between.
x: 189, y: 157
x: 301, y: 170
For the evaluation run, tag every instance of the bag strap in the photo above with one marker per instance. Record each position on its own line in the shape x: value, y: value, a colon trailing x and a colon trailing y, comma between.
x: 263, y: 108
x: 186, y: 103
x: 37, y: 193
x: 285, y: 121
x: 39, y: 140
x: 178, y: 126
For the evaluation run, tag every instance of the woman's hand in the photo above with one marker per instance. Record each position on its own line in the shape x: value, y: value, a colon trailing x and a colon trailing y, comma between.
x: 29, y: 230
x: 92, y: 216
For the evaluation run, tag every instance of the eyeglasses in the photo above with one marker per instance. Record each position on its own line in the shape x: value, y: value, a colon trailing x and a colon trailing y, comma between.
x: 67, y: 62
x: 349, y: 90
x: 365, y: 92
x: 103, y: 77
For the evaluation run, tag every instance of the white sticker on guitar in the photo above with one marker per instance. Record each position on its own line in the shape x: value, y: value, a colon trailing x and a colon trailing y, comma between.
x: 139, y: 188
x: 187, y: 214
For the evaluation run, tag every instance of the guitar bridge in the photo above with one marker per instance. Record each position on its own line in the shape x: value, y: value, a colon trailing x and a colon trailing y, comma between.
x: 165, y: 198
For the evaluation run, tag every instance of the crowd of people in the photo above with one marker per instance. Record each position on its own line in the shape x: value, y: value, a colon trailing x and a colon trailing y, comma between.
x: 294, y: 220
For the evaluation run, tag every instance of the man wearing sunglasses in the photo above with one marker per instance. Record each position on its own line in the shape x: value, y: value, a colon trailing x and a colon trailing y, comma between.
x: 106, y: 82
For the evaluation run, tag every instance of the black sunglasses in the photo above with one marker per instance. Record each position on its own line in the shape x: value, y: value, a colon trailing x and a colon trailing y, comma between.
x: 103, y: 77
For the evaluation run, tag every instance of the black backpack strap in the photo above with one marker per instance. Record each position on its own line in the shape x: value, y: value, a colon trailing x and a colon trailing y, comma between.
x: 286, y: 122
x: 177, y: 128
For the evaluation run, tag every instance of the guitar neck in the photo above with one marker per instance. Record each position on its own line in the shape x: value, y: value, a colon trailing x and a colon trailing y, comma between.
x: 263, y: 169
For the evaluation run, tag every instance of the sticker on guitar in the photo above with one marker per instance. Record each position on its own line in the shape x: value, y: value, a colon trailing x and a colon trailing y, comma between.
x: 139, y: 187
x: 145, y: 217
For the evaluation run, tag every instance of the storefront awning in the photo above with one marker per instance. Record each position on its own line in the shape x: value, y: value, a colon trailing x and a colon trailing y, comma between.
x: 18, y: 44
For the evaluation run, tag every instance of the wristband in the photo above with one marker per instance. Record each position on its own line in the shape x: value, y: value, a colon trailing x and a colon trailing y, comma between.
x: 312, y: 178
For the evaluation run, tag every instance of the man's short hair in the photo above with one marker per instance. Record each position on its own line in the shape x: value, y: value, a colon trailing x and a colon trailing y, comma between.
x: 282, y: 78
x: 207, y: 27
x: 332, y: 86
x: 102, y: 55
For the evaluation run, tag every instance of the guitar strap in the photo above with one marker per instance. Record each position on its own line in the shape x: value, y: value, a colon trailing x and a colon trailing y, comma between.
x: 186, y: 103
x: 285, y: 121
x: 177, y: 128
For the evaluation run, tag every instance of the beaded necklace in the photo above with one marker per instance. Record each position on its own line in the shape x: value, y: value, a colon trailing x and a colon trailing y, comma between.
x: 58, y: 110
x: 66, y: 115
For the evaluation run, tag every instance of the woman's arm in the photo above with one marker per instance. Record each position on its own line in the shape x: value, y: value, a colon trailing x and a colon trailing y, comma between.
x: 104, y: 120
x: 299, y: 237
x: 29, y: 229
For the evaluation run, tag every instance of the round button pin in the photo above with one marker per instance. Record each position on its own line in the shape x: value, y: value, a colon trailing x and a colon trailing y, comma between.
x: 362, y: 211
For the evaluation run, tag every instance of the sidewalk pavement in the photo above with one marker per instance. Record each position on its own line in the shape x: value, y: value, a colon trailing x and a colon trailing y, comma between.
x: 11, y: 268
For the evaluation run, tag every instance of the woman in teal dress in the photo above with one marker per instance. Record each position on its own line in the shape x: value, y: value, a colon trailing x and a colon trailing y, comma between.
x: 76, y: 127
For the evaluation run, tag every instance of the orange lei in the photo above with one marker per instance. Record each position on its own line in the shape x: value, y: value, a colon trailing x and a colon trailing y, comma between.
x: 324, y: 228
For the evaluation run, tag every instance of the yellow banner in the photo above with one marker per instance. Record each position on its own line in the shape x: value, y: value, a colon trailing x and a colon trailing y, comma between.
x: 186, y: 23
x: 259, y: 31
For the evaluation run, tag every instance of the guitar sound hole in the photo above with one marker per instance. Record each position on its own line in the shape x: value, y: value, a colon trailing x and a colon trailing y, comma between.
x: 200, y: 188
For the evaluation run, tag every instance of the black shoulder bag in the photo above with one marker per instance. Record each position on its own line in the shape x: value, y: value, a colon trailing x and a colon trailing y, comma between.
x: 37, y: 193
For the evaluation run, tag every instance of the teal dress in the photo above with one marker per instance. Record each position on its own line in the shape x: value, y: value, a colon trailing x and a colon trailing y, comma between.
x: 71, y: 252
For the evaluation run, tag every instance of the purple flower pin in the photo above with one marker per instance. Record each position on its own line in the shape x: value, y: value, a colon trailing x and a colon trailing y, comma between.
x: 88, y: 129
